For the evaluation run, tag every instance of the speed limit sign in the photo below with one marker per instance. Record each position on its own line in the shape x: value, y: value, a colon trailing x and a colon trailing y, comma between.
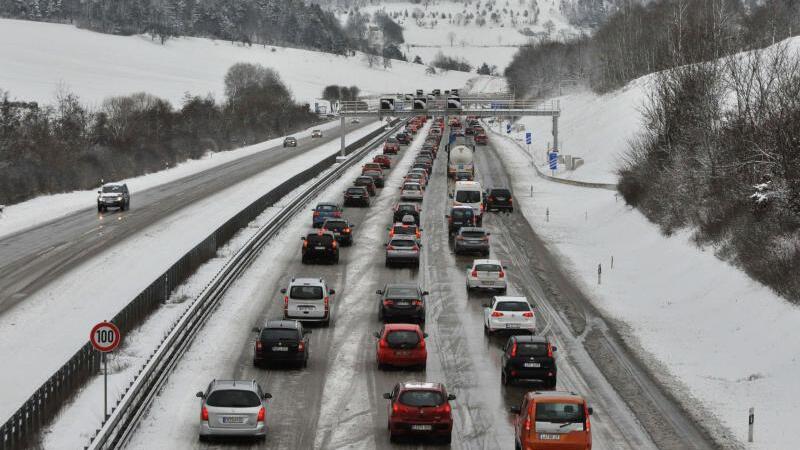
x: 105, y: 337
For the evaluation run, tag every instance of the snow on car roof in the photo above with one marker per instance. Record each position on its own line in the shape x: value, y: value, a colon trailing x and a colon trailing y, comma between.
x: 421, y: 385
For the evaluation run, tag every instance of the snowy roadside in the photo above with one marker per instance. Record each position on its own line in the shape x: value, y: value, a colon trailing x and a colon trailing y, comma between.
x: 45, y: 208
x: 73, y: 302
x: 709, y: 333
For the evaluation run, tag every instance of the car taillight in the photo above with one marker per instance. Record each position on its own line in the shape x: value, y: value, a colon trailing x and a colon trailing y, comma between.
x: 501, y: 274
x: 460, y: 238
x: 285, y: 302
x: 262, y: 414
x: 383, y: 344
x: 389, y: 247
x: 301, y: 347
x: 388, y: 302
x: 527, y: 314
x: 497, y: 314
x: 346, y: 230
x: 417, y: 302
x: 415, y: 248
x: 421, y: 343
x: 474, y: 273
x: 510, y: 199
x: 450, y: 219
x: 491, y: 198
x: 514, y: 349
x: 586, y: 425
x: 204, y: 414
x: 327, y: 303
x: 334, y: 244
x: 305, y: 243
x: 446, y: 408
x: 258, y: 346
x: 549, y: 350
x: 316, y: 213
x: 337, y: 214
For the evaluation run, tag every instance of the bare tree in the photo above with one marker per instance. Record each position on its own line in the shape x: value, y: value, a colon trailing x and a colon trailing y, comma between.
x: 371, y: 59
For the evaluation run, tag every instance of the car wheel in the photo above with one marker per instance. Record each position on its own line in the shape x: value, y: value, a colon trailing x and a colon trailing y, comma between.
x: 380, y: 314
x: 202, y: 438
x: 422, y: 367
x: 487, y: 331
x: 304, y: 260
x: 503, y: 291
x: 392, y: 437
x: 504, y: 378
x: 448, y: 439
x: 305, y: 363
x: 381, y: 366
x: 99, y: 208
x: 386, y: 263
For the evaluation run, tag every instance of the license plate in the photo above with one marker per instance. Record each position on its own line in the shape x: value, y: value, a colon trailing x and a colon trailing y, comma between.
x: 512, y: 325
x: 402, y: 353
x: 305, y: 308
x: 502, y: 199
x: 280, y: 349
x: 549, y: 437
x: 421, y: 427
x: 403, y: 303
x: 319, y: 248
x: 533, y: 365
x: 232, y: 419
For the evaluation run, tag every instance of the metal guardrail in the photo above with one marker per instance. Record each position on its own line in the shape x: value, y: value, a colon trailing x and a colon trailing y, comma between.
x: 499, y: 105
x: 21, y: 429
x: 116, y: 431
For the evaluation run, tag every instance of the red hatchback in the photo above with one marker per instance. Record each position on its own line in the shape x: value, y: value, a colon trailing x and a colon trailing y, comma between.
x: 391, y: 146
x: 481, y: 139
x: 420, y: 409
x: 383, y: 160
x: 401, y: 345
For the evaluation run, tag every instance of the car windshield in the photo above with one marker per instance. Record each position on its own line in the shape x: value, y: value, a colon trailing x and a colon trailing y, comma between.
x: 326, y: 208
x: 355, y: 191
x: 501, y: 193
x: 532, y: 348
x: 337, y: 225
x: 512, y: 306
x: 460, y: 213
x: 405, y: 243
x: 421, y: 398
x: 277, y: 334
x: 487, y: 267
x: 363, y: 181
x: 317, y: 239
x: 411, y: 187
x: 406, y: 207
x: 402, y: 338
x: 473, y: 234
x: 306, y: 292
x: 559, y: 412
x: 392, y: 141
x: 115, y: 188
x: 233, y: 398
x: 468, y: 196
x: 401, y: 292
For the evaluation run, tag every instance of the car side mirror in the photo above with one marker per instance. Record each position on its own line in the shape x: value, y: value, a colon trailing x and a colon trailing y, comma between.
x: 379, y: 292
x: 377, y: 335
x: 447, y: 216
x: 425, y: 335
x: 515, y: 410
x: 386, y: 244
x: 486, y: 305
x: 554, y: 348
x: 387, y: 396
x: 591, y: 410
x: 451, y: 397
x: 283, y: 290
x: 488, y: 234
x: 267, y: 396
x: 302, y: 238
x: 388, y: 228
x: 306, y: 331
x: 505, y: 267
x: 352, y: 225
x: 256, y: 329
x: 332, y: 291
x: 419, y: 245
x: 449, y: 195
x: 421, y: 229
x: 425, y: 293
x: 200, y: 395
x: 98, y: 192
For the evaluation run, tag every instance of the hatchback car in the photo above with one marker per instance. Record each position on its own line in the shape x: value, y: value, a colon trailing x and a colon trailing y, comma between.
x: 405, y: 229
x: 403, y: 250
x: 401, y: 302
x: 528, y: 358
x: 416, y: 178
x: 419, y: 409
x: 113, y: 195
x: 403, y: 209
x: 401, y: 345
x: 342, y: 230
x: 412, y: 191
x: 316, y: 134
x: 290, y: 141
x: 383, y: 160
x: 460, y: 216
x: 498, y: 199
x: 233, y: 408
x: 403, y: 138
x: 367, y: 182
x: 323, y: 212
x: 308, y: 299
x: 391, y: 146
x: 486, y: 274
x: 509, y: 314
x: 371, y: 166
x: 281, y: 341
x: 481, y: 139
x: 320, y: 246
x: 356, y: 196
x: 552, y: 420
x: 377, y: 177
x: 472, y: 240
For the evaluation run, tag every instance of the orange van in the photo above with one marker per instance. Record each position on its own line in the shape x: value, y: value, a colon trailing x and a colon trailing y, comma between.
x: 553, y: 420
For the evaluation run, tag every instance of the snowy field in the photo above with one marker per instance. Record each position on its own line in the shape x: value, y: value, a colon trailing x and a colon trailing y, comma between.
x: 40, y: 57
x: 720, y: 341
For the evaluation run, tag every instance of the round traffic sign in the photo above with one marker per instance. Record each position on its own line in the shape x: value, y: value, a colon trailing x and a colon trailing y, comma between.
x: 105, y: 337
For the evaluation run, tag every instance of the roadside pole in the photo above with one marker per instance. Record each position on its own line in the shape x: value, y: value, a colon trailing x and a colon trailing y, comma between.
x: 341, y: 138
x: 105, y: 337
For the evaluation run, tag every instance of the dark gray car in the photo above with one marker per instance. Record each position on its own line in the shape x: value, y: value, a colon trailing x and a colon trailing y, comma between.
x: 403, y: 249
x: 472, y: 240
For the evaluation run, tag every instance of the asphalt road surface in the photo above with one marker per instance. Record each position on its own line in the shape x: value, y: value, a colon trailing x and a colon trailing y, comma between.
x: 337, y: 401
x: 31, y: 258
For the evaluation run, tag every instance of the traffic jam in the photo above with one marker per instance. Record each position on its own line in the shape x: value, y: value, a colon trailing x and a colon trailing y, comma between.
x: 418, y: 409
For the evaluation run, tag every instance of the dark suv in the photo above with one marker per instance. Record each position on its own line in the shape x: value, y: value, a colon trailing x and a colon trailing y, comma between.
x: 281, y: 341
x: 404, y: 302
x: 366, y: 181
x: 342, y: 230
x: 356, y: 196
x: 460, y: 216
x: 405, y: 209
x: 320, y: 246
x: 529, y: 358
x: 113, y: 195
x: 403, y: 138
x: 498, y: 199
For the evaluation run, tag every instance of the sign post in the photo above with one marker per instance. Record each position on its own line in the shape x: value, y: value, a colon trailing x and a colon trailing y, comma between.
x: 553, y: 157
x: 528, y: 139
x: 751, y: 420
x: 508, y: 128
x: 105, y: 337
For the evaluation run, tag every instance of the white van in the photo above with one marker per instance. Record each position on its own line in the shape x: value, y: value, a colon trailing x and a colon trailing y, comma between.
x: 307, y: 299
x: 469, y: 193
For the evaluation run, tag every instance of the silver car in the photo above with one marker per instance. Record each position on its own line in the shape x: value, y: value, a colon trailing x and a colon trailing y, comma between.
x: 412, y: 191
x: 472, y: 239
x: 233, y: 408
x: 403, y: 249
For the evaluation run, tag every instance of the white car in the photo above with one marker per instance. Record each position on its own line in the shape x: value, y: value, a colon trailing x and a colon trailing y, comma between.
x: 412, y: 191
x: 510, y: 314
x: 486, y: 274
x: 307, y: 299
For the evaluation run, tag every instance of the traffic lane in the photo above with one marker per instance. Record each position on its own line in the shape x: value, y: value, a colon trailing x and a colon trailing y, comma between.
x: 32, y: 258
x: 616, y: 425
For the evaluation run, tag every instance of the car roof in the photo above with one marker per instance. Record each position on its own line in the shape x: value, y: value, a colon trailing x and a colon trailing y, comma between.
x: 244, y: 385
x: 462, y: 207
x: 285, y: 324
x: 529, y: 338
x: 367, y: 177
x: 467, y: 184
x: 327, y: 204
x: 555, y: 397
x: 402, y: 327
x: 320, y: 232
x: 473, y: 229
x: 401, y: 224
x: 404, y: 284
x: 307, y: 281
x: 357, y: 187
x: 404, y: 237
x: 506, y: 298
x: 114, y: 184
x: 411, y: 182
x: 421, y: 385
x: 487, y: 261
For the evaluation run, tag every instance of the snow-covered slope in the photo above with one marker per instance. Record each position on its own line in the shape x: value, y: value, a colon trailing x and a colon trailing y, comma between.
x: 39, y: 57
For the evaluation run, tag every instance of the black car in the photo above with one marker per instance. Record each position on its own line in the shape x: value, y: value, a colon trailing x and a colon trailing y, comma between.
x: 342, y: 230
x: 404, y: 302
x: 405, y: 209
x: 356, y: 196
x: 368, y: 182
x: 403, y: 138
x: 281, y: 341
x: 460, y: 216
x: 290, y: 142
x: 320, y: 246
x: 498, y: 199
x: 529, y: 358
x: 377, y: 177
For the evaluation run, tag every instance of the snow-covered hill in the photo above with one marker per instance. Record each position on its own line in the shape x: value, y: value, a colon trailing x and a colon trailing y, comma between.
x: 37, y: 58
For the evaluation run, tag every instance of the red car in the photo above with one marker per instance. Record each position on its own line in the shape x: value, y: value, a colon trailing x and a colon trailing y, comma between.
x: 481, y: 139
x: 403, y: 138
x: 420, y: 409
x: 391, y: 146
x: 371, y: 166
x: 383, y: 160
x: 401, y: 345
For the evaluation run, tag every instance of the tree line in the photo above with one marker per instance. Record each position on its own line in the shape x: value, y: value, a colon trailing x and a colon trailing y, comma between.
x: 47, y: 149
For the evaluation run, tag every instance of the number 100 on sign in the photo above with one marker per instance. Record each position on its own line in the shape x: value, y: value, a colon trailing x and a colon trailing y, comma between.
x: 105, y: 337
